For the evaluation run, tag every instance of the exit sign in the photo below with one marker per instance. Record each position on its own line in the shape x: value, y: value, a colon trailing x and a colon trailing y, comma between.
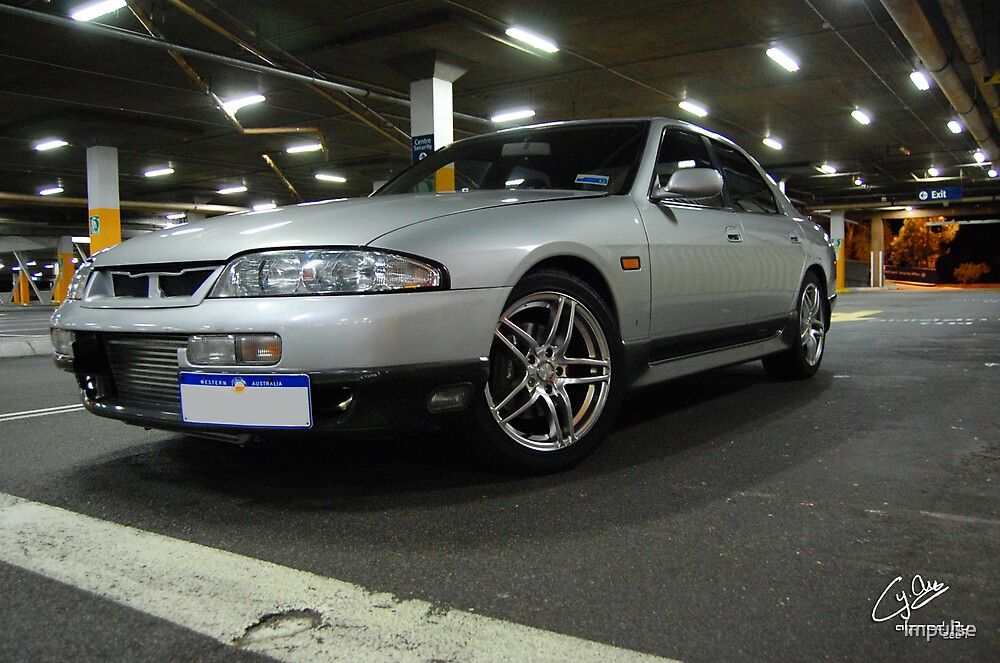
x: 940, y: 195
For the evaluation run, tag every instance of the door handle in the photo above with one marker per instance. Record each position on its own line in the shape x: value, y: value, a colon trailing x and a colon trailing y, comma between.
x: 733, y: 234
x: 795, y: 239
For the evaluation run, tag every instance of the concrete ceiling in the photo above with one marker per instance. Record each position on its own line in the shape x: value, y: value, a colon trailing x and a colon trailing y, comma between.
x: 115, y: 85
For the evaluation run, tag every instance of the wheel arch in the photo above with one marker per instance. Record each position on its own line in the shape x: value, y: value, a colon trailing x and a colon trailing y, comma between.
x: 585, y: 271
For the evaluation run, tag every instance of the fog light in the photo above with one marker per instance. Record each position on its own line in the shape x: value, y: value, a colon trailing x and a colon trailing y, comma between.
x: 211, y: 350
x: 62, y: 342
x: 452, y: 397
x: 234, y: 349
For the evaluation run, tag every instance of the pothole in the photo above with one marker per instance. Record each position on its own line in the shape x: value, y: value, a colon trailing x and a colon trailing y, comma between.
x: 280, y: 625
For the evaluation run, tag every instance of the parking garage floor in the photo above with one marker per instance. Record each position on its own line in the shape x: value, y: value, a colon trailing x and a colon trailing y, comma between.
x: 728, y: 518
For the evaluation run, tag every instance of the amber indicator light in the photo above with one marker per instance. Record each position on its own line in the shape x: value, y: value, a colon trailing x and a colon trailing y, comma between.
x: 630, y: 263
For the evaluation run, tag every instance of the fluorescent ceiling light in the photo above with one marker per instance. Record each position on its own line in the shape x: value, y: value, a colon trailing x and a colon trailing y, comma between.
x: 933, y: 172
x: 992, y: 172
x: 50, y: 144
x: 263, y: 207
x: 979, y: 156
x: 176, y: 216
x: 955, y: 127
x: 327, y: 177
x: 76, y: 239
x: 92, y: 10
x: 308, y: 147
x: 232, y: 189
x: 531, y: 39
x: 828, y: 169
x: 693, y: 108
x: 858, y: 181
x: 234, y: 105
x: 783, y: 59
x: 861, y: 116
x: 52, y: 190
x: 30, y: 263
x: 920, y: 81
x: 772, y: 143
x: 159, y: 172
x: 511, y: 116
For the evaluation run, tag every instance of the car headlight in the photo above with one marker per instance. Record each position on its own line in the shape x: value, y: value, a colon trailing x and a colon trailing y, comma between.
x: 78, y: 286
x: 324, y: 272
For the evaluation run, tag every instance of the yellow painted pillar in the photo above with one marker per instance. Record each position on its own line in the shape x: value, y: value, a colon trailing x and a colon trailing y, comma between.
x: 23, y: 294
x: 104, y: 215
x: 837, y: 233
x: 66, y: 269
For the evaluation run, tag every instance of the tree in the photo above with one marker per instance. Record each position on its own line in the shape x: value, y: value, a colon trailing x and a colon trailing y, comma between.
x: 920, y: 245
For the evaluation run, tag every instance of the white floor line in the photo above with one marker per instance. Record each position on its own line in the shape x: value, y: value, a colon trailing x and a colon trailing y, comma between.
x: 44, y: 412
x: 222, y: 595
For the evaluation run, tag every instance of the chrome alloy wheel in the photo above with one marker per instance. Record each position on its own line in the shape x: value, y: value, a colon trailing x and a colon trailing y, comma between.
x: 812, y: 324
x: 550, y: 371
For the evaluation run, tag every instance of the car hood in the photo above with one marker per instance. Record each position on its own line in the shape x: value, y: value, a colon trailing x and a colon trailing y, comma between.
x: 351, y: 222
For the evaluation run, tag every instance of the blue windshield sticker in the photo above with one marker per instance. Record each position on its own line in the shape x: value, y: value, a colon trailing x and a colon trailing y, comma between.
x: 599, y: 180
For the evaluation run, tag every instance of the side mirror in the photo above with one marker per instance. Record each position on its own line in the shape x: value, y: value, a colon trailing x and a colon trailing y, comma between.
x: 689, y: 184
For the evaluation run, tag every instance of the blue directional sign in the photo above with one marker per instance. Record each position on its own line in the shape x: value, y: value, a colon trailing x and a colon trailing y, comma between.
x: 940, y: 195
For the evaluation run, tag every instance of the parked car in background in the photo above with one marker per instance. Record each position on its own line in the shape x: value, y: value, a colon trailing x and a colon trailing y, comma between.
x: 524, y: 280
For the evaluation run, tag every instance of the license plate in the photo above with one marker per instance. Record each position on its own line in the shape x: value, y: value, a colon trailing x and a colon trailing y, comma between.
x: 257, y: 401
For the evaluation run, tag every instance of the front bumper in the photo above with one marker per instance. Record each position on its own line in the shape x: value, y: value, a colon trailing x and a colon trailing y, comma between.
x: 348, y: 401
x: 374, y: 362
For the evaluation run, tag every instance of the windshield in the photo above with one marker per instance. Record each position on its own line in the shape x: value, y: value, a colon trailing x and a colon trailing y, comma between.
x: 575, y: 157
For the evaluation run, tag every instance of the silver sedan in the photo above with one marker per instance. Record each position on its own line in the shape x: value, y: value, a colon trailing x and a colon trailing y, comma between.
x: 524, y: 281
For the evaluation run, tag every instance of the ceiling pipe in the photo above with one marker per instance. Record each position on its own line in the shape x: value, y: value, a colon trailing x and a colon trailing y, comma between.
x: 913, y: 23
x: 152, y: 42
x: 968, y: 42
x: 124, y: 204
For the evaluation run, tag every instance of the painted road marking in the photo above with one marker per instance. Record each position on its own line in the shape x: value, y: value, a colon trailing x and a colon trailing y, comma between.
x: 299, y: 616
x: 839, y: 316
x: 31, y: 414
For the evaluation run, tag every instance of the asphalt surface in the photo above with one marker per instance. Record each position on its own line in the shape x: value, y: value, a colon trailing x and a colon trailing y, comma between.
x: 24, y: 330
x: 728, y: 517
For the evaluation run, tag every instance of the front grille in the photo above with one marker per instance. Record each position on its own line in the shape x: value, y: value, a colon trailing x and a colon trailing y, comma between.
x: 144, y: 367
x: 151, y: 286
x: 130, y: 286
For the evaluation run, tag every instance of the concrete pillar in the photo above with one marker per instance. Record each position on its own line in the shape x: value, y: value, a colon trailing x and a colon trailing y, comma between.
x: 64, y: 249
x: 877, y: 236
x: 878, y: 252
x: 105, y: 219
x: 431, y: 111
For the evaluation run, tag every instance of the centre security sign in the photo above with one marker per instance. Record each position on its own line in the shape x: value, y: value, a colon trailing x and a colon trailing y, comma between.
x: 940, y: 195
x: 422, y: 147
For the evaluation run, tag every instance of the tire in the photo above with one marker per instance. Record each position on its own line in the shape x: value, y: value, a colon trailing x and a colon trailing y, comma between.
x: 553, y: 391
x: 803, y: 358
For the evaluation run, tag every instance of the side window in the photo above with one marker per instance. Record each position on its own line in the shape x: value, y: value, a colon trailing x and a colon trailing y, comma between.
x: 746, y: 187
x: 678, y: 150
